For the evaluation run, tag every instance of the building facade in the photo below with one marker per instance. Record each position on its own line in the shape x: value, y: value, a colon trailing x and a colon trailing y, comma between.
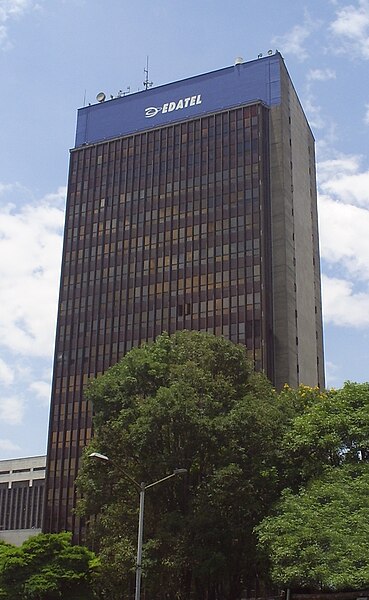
x: 22, y: 485
x: 190, y: 206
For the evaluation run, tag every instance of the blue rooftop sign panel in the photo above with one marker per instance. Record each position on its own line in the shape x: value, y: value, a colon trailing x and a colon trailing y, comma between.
x: 258, y: 80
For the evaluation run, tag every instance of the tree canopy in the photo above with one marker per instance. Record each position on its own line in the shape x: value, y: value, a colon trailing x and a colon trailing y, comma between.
x: 273, y: 479
x: 317, y: 536
x: 45, y: 567
x: 334, y: 428
x: 189, y: 400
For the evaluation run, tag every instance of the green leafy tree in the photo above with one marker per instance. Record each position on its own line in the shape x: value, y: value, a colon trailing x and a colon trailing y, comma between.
x: 319, y: 537
x: 189, y: 400
x: 331, y: 429
x: 45, y: 567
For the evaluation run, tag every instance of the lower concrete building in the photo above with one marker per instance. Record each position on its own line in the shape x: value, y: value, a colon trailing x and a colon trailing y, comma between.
x: 22, y: 484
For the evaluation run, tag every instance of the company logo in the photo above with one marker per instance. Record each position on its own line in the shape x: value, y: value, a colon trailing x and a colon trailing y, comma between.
x: 168, y: 107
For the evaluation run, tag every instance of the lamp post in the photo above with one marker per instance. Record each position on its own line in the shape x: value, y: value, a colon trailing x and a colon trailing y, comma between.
x: 141, y: 488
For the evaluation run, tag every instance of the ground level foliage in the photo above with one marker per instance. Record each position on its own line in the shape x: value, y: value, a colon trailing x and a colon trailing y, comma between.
x: 47, y: 567
x: 317, y: 534
x: 192, y: 401
x: 319, y: 537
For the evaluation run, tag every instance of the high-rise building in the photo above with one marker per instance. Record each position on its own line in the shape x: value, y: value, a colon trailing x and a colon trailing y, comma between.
x: 190, y: 206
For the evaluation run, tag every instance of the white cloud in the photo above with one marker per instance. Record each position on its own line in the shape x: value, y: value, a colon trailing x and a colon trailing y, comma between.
x: 11, y: 410
x: 6, y: 373
x: 321, y: 74
x: 324, y: 144
x: 332, y: 374
x: 42, y: 390
x: 342, y: 305
x: 351, y: 27
x: 342, y: 164
x: 12, y: 9
x: 342, y: 179
x: 344, y: 237
x: 30, y: 252
x: 366, y: 118
x: 344, y: 223
x: 311, y: 107
x: 293, y: 41
x: 7, y: 187
x: 352, y: 189
x: 8, y: 446
x: 314, y: 112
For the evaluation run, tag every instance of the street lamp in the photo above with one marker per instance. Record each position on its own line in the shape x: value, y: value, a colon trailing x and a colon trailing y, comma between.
x: 141, y: 487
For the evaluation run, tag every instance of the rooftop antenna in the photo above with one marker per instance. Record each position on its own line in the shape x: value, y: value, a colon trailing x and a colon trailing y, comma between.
x: 122, y: 93
x: 147, y: 84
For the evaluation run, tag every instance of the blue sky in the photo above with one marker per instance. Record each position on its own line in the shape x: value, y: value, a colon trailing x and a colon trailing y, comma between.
x: 57, y: 54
